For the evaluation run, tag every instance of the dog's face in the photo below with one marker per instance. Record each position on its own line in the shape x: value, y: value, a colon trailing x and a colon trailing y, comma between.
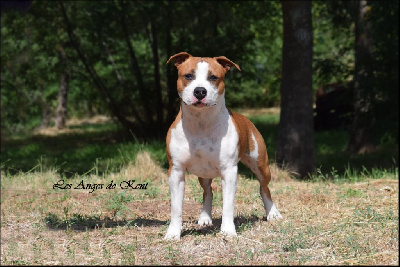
x: 201, y: 80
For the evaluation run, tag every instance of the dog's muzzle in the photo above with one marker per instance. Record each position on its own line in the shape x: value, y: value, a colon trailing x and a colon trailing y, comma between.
x: 200, y: 93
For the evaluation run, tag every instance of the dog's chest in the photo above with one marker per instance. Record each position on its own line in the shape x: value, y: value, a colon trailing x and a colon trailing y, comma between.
x: 206, y: 151
x: 204, y: 157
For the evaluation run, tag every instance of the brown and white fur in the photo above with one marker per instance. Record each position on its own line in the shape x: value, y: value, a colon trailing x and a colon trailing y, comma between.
x: 208, y: 140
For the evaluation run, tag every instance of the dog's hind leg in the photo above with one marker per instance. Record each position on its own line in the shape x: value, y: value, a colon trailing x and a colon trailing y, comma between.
x: 257, y: 161
x: 264, y: 177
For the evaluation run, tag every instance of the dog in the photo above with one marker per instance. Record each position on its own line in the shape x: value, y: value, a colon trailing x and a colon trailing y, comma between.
x: 208, y: 140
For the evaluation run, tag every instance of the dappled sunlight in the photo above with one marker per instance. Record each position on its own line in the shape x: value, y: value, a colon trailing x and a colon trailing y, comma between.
x: 258, y: 111
x: 75, y: 126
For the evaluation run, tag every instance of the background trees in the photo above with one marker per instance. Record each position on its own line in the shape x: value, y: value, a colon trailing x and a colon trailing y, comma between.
x: 115, y: 54
x: 117, y: 51
x: 375, y: 75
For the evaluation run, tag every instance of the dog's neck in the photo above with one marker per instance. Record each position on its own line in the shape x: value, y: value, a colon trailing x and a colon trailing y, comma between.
x: 204, y: 120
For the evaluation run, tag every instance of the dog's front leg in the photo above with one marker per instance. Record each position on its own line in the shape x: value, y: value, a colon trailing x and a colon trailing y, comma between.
x: 177, y: 190
x: 228, y: 180
x: 205, y: 216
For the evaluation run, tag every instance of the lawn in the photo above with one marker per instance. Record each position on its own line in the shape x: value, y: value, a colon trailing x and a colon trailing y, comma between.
x: 347, y: 213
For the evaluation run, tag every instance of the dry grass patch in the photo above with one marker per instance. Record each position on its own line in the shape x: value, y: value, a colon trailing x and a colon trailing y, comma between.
x: 144, y: 166
x: 278, y: 174
x: 259, y: 111
x: 72, y: 126
x: 324, y: 223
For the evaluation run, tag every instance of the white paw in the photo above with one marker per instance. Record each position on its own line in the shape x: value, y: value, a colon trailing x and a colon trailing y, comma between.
x: 228, y: 229
x: 274, y: 215
x: 204, y: 220
x: 173, y: 233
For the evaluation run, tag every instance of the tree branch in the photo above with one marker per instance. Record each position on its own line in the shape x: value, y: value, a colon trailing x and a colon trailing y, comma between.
x: 136, y: 69
x: 96, y: 79
x: 122, y: 83
x: 154, y: 46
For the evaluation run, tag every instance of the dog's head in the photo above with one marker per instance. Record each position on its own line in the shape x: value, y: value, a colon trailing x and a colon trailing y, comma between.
x: 201, y: 79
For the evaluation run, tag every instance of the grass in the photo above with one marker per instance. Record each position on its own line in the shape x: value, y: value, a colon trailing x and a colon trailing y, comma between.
x: 344, y: 214
x: 97, y: 146
x: 330, y: 148
x: 324, y: 222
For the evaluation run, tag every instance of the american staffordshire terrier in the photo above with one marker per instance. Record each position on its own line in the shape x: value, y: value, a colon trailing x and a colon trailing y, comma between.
x: 208, y: 140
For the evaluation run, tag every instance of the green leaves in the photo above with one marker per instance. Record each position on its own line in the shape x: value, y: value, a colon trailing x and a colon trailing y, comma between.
x: 249, y: 33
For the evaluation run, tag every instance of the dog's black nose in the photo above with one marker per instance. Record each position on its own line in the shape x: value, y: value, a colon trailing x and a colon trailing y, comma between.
x: 200, y: 92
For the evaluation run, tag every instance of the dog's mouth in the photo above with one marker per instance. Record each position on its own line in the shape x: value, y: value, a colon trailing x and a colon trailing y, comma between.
x: 199, y: 104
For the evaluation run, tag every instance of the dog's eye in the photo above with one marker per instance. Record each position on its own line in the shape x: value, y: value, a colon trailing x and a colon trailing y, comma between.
x: 213, y: 78
x: 189, y: 76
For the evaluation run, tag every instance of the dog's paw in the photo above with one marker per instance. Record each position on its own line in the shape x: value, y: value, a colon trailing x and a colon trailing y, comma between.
x: 228, y: 229
x: 173, y: 233
x: 204, y: 220
x: 274, y: 215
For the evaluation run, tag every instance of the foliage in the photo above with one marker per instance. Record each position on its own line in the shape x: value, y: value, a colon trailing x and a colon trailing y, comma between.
x: 382, y: 67
x: 31, y: 67
x: 385, y: 69
x: 333, y: 59
x: 249, y: 33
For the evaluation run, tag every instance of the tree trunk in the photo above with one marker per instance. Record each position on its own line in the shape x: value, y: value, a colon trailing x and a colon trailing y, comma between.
x: 295, y: 144
x: 359, y: 141
x: 46, y: 115
x: 45, y: 107
x: 63, y: 93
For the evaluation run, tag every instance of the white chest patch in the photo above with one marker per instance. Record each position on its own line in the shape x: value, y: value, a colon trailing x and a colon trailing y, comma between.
x: 205, y: 145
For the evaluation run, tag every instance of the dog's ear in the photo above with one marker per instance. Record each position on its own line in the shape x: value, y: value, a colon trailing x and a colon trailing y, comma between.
x: 226, y: 63
x: 179, y: 58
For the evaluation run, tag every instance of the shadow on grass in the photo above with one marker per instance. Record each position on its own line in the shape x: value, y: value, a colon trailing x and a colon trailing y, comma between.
x: 242, y: 223
x: 330, y: 151
x: 79, y: 222
x: 102, y: 150
x: 70, y: 152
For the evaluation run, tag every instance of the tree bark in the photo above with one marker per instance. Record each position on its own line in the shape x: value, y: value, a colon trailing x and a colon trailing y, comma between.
x: 45, y: 107
x: 63, y: 92
x: 360, y: 141
x: 295, y: 144
x: 46, y: 115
